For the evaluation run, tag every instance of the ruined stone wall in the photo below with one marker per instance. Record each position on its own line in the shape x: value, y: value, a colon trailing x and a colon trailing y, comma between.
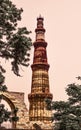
x: 16, y: 99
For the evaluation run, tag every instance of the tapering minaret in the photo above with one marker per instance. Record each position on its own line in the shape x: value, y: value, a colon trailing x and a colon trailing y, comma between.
x: 40, y: 89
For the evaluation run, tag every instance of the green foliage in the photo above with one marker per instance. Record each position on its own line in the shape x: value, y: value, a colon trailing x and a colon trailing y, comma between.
x: 3, y: 87
x: 67, y: 114
x: 14, y: 41
x: 48, y: 103
x: 15, y: 44
x: 4, y: 114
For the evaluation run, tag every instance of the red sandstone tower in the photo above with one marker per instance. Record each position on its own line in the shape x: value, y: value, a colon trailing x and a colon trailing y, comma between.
x: 40, y: 79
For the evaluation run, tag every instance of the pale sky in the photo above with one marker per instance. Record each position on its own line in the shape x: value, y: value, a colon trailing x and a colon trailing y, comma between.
x: 62, y: 21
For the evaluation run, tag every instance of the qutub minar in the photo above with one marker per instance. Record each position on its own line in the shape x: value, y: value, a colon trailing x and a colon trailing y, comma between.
x: 38, y: 117
x: 40, y: 79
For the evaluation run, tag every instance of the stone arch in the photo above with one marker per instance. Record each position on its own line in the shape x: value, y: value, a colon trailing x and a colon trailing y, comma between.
x: 16, y: 99
x: 11, y: 105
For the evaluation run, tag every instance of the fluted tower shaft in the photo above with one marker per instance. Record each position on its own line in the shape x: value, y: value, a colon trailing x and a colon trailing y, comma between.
x: 40, y: 79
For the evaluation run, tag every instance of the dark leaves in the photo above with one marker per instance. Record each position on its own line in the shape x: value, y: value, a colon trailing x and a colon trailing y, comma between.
x: 14, y: 43
x: 48, y: 104
x: 20, y: 45
x: 3, y: 88
x: 67, y: 114
x: 6, y: 115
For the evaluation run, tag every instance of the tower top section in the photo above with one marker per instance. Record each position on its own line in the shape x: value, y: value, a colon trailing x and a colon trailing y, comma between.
x: 40, y: 17
x: 40, y: 29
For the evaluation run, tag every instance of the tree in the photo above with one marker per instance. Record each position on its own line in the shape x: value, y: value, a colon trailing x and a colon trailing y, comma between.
x: 67, y: 114
x: 15, y: 44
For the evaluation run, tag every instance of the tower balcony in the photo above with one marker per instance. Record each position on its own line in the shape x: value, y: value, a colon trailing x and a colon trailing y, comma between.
x: 39, y: 95
x: 41, y: 65
x: 39, y: 43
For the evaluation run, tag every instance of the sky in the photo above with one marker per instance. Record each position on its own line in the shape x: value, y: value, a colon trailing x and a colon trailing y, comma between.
x: 62, y: 21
